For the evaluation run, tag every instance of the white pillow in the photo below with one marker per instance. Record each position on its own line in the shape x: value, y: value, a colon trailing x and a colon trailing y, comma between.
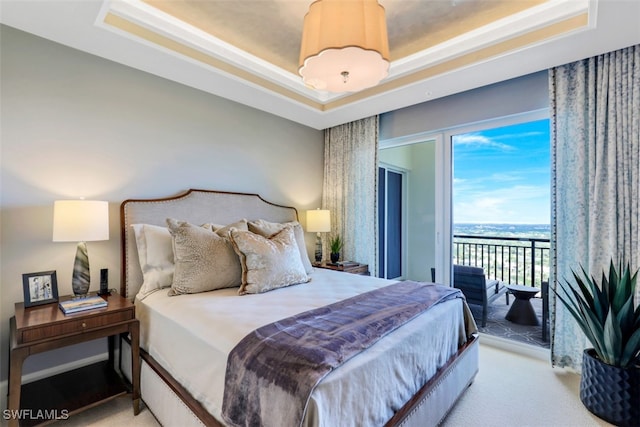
x: 155, y: 251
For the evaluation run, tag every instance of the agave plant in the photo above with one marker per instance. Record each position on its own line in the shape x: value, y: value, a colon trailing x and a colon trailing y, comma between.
x: 336, y: 244
x: 606, y: 314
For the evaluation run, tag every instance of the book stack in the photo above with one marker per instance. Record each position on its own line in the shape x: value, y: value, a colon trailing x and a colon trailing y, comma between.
x: 348, y: 264
x: 344, y: 264
x: 82, y: 304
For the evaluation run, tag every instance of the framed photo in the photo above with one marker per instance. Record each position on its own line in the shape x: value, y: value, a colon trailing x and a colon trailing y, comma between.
x: 40, y: 288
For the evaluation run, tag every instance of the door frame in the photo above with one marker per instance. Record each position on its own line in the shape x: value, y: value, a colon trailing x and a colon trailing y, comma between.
x: 443, y: 198
x: 404, y: 228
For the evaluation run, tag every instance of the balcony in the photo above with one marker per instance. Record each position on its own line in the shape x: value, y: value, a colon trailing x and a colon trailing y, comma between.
x: 512, y: 260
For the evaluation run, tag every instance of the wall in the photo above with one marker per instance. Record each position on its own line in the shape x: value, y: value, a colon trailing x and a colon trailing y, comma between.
x: 520, y: 95
x: 397, y: 156
x: 422, y: 220
x: 75, y: 125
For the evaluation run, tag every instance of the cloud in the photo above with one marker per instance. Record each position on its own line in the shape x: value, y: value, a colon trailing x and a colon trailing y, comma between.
x: 516, y: 204
x: 531, y: 134
x: 504, y: 176
x: 482, y: 183
x: 481, y: 141
x: 489, y: 202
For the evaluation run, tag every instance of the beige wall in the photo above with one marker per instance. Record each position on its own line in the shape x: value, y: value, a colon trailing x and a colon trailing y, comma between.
x: 74, y: 125
x: 422, y: 217
x: 511, y: 97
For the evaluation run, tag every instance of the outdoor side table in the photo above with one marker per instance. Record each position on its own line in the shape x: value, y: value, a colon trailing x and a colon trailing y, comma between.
x: 522, y: 312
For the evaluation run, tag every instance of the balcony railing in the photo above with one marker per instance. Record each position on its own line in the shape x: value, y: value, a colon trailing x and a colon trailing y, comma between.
x: 515, y: 260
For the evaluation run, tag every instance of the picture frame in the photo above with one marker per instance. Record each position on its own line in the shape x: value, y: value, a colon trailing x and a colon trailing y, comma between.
x: 40, y: 288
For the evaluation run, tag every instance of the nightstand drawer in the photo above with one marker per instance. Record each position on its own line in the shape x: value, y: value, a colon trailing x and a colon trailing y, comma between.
x: 74, y: 326
x: 353, y: 268
x: 359, y: 269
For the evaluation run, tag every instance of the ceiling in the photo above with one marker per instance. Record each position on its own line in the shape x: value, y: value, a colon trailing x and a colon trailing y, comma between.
x: 247, y: 50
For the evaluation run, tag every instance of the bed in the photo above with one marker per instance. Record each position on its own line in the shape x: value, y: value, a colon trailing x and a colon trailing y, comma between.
x: 398, y: 380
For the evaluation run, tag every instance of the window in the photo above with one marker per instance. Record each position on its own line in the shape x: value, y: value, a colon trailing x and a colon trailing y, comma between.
x: 501, y: 175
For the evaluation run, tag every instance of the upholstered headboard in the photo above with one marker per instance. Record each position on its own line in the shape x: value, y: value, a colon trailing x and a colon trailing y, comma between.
x: 196, y: 207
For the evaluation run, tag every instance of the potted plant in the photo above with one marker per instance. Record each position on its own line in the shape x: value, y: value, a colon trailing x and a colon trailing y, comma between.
x: 610, y: 381
x: 335, y: 244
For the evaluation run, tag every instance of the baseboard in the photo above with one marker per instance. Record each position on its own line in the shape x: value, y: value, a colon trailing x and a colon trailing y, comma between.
x: 44, y: 373
x: 516, y: 347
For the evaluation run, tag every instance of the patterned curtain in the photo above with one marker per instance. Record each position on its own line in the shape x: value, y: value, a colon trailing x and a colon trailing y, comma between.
x: 595, y: 149
x: 350, y: 188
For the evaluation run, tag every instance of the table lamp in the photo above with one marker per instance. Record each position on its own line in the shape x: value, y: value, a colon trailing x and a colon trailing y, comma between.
x: 318, y: 221
x: 80, y: 221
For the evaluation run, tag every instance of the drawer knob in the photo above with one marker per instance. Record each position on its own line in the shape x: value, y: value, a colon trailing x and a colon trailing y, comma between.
x: 84, y: 325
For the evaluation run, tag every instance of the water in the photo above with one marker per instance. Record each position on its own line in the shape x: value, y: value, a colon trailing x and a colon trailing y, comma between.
x: 540, y: 231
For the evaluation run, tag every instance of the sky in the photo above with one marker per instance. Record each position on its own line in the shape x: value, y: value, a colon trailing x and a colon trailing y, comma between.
x: 502, y: 175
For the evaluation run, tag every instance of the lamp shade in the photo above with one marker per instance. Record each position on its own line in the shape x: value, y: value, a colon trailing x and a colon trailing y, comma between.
x: 80, y: 220
x: 344, y: 45
x: 318, y: 221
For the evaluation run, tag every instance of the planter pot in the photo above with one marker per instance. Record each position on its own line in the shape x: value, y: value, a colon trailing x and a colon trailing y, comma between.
x: 610, y: 392
x: 334, y: 257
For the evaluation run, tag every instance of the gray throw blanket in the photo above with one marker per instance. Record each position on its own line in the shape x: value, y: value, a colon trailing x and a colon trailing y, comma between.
x: 272, y: 372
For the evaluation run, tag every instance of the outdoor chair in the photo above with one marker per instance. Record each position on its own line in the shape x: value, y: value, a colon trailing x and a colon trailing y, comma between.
x: 477, y: 289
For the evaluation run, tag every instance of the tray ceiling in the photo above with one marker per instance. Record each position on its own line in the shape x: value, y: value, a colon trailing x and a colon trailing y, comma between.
x: 248, y: 50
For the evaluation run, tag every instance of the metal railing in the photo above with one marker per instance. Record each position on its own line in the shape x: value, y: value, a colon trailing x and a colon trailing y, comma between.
x: 515, y: 260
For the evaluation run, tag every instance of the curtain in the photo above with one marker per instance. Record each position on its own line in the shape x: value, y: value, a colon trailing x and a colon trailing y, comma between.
x: 350, y: 187
x: 595, y: 156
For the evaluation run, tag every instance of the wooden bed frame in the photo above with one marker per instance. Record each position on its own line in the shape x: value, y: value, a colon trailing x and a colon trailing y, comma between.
x: 168, y: 400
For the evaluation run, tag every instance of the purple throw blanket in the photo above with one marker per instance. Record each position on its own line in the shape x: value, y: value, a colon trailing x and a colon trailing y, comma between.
x: 272, y: 372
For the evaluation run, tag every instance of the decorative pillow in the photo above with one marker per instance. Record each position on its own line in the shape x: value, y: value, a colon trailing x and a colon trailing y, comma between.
x: 268, y: 263
x: 267, y: 229
x: 223, y: 230
x: 155, y: 251
x: 204, y: 260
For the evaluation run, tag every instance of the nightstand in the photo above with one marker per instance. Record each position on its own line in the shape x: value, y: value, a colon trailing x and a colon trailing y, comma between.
x: 43, y: 328
x: 362, y: 269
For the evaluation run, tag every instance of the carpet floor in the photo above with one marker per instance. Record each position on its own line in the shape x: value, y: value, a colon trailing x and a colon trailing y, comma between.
x: 514, y: 390
x: 509, y: 390
x: 498, y: 326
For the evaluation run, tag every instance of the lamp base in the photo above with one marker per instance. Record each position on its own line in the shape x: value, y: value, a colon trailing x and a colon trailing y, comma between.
x: 318, y: 248
x: 81, y: 276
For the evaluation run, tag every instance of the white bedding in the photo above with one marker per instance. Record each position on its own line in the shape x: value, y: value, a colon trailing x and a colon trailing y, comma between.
x: 191, y: 336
